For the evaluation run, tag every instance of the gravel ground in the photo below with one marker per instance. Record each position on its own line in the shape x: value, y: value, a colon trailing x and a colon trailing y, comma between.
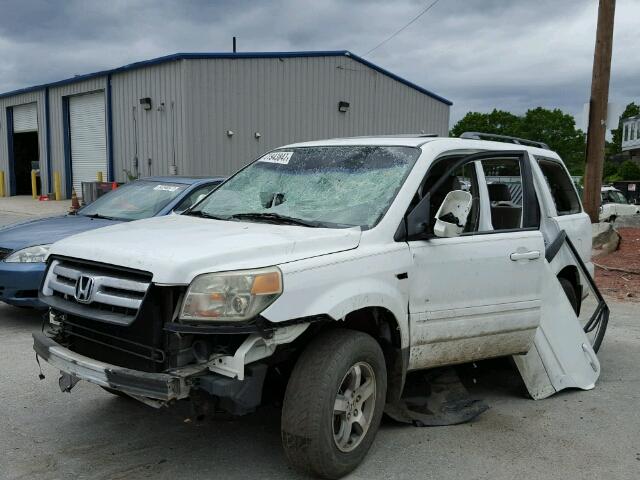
x: 618, y: 273
x: 90, y: 434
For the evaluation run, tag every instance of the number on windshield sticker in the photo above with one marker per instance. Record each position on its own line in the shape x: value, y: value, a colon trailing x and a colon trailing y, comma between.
x: 277, y: 157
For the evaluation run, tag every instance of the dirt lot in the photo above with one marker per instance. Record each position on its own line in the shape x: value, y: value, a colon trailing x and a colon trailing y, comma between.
x: 618, y: 273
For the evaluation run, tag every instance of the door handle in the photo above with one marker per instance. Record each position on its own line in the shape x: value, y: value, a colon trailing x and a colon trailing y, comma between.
x: 531, y: 255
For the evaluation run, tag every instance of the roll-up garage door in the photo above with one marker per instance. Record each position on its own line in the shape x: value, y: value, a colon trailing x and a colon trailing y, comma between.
x: 25, y: 118
x: 88, y: 138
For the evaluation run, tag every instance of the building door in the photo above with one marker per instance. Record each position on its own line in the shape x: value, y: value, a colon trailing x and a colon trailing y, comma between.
x: 88, y: 138
x: 25, y: 146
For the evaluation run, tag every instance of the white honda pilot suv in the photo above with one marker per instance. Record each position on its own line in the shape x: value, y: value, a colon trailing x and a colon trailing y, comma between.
x: 322, y: 273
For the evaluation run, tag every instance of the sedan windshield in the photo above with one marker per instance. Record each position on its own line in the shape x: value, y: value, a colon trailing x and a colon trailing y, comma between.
x: 338, y: 186
x: 134, y: 201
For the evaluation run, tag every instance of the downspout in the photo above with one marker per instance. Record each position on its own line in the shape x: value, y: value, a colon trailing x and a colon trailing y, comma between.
x: 110, y: 167
x: 47, y: 138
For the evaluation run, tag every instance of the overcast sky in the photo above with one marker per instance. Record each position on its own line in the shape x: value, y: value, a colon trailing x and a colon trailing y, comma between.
x: 481, y: 54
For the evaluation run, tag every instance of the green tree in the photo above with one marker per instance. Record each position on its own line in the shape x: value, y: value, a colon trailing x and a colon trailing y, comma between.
x: 615, y: 146
x: 629, y: 170
x: 555, y: 128
x: 558, y: 130
x: 498, y: 122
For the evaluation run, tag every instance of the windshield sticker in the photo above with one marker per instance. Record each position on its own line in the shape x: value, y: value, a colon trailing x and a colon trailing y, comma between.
x: 166, y: 188
x: 277, y: 157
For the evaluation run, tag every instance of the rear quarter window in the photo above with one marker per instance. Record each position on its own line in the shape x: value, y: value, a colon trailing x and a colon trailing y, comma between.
x: 561, y: 187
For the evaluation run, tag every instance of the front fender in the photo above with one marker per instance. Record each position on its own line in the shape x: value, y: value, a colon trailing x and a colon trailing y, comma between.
x: 316, y: 287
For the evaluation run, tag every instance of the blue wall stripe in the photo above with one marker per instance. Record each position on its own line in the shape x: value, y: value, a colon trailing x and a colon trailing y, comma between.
x: 12, y: 160
x: 67, y: 147
x: 110, y: 165
x: 47, y: 141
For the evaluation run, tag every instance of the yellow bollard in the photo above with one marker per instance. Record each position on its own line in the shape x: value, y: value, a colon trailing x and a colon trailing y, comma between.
x: 1, y: 183
x: 34, y: 184
x: 100, y: 177
x: 56, y: 185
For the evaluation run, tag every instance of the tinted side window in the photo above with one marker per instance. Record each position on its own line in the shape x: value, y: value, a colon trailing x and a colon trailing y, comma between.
x: 194, y: 197
x: 561, y: 187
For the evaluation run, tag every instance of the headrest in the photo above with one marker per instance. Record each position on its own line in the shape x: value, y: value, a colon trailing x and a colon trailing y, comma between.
x: 499, y: 192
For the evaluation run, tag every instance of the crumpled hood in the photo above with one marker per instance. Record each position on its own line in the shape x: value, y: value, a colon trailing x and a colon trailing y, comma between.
x: 179, y: 247
x: 47, y: 230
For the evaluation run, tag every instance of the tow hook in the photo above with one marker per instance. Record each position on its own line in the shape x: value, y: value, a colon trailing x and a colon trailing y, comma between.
x: 67, y: 382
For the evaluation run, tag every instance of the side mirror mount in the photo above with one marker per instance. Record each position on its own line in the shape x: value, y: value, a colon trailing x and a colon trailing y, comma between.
x: 418, y: 219
x: 452, y: 214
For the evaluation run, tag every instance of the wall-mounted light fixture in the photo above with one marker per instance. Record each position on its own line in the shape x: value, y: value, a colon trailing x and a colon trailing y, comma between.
x: 230, y: 133
x: 146, y: 103
x: 257, y: 135
x: 343, y: 106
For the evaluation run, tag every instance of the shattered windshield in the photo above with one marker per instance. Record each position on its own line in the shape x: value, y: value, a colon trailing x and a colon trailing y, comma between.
x: 335, y: 186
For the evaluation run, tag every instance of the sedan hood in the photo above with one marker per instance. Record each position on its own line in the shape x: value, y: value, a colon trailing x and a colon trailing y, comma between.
x: 177, y: 248
x: 47, y: 230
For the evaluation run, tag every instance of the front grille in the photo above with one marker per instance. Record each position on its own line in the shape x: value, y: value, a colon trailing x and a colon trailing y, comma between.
x: 95, y: 291
x: 4, y: 253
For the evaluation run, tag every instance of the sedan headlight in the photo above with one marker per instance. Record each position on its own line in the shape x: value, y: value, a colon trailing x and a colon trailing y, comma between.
x: 35, y: 254
x: 231, y: 296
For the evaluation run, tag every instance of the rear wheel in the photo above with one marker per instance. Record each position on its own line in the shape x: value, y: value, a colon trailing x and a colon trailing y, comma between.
x: 571, y: 294
x: 334, y: 403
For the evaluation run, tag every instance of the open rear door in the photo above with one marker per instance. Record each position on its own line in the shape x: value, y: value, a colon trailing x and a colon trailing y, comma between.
x: 562, y: 355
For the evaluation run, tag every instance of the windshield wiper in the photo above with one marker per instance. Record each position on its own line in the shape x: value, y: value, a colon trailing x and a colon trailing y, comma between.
x: 97, y: 215
x: 201, y: 214
x: 276, y: 218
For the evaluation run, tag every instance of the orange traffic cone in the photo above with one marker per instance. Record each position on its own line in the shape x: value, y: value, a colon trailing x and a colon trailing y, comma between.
x: 114, y: 185
x: 75, y: 204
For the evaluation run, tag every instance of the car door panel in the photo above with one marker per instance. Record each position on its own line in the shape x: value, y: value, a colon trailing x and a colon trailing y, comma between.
x: 470, y: 300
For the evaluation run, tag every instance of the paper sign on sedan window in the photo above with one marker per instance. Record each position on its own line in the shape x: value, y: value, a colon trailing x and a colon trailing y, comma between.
x: 166, y: 188
x: 277, y: 157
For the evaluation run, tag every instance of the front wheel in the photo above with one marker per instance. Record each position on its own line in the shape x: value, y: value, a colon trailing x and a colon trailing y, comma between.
x: 334, y: 403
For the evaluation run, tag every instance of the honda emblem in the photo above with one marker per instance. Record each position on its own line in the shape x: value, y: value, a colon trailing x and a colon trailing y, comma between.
x: 84, y: 289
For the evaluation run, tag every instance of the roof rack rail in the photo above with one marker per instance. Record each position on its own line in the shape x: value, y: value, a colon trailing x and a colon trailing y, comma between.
x: 503, y: 138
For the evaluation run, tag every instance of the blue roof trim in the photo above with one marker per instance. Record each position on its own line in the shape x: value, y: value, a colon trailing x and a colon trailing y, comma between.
x: 231, y: 55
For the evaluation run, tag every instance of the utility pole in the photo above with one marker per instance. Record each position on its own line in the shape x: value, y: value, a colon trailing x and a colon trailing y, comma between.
x: 598, y: 108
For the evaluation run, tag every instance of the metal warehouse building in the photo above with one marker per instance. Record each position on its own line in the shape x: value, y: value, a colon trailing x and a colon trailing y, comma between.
x: 200, y: 114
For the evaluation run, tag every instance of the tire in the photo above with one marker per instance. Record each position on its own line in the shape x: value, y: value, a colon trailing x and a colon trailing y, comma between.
x: 571, y: 294
x: 316, y: 439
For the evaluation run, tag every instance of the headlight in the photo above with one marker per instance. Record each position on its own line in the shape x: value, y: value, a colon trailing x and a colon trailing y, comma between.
x: 231, y: 296
x: 35, y: 254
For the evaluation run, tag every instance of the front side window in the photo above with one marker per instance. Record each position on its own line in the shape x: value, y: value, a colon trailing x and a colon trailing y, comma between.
x: 134, y: 201
x: 561, y: 187
x: 194, y: 197
x: 332, y: 186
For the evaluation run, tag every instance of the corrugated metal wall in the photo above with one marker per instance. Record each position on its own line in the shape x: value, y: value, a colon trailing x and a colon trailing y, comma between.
x: 195, y: 102
x: 30, y: 97
x: 57, y: 120
x: 292, y: 99
x: 156, y: 131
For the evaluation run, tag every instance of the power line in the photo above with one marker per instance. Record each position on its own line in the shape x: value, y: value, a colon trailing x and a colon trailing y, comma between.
x: 410, y: 22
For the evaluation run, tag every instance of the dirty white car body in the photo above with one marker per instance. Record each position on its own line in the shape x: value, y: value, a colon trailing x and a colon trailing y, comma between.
x: 428, y: 301
x: 615, y: 204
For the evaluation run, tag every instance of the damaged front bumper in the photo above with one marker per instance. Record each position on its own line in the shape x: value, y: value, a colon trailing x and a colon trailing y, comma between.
x: 157, y: 386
